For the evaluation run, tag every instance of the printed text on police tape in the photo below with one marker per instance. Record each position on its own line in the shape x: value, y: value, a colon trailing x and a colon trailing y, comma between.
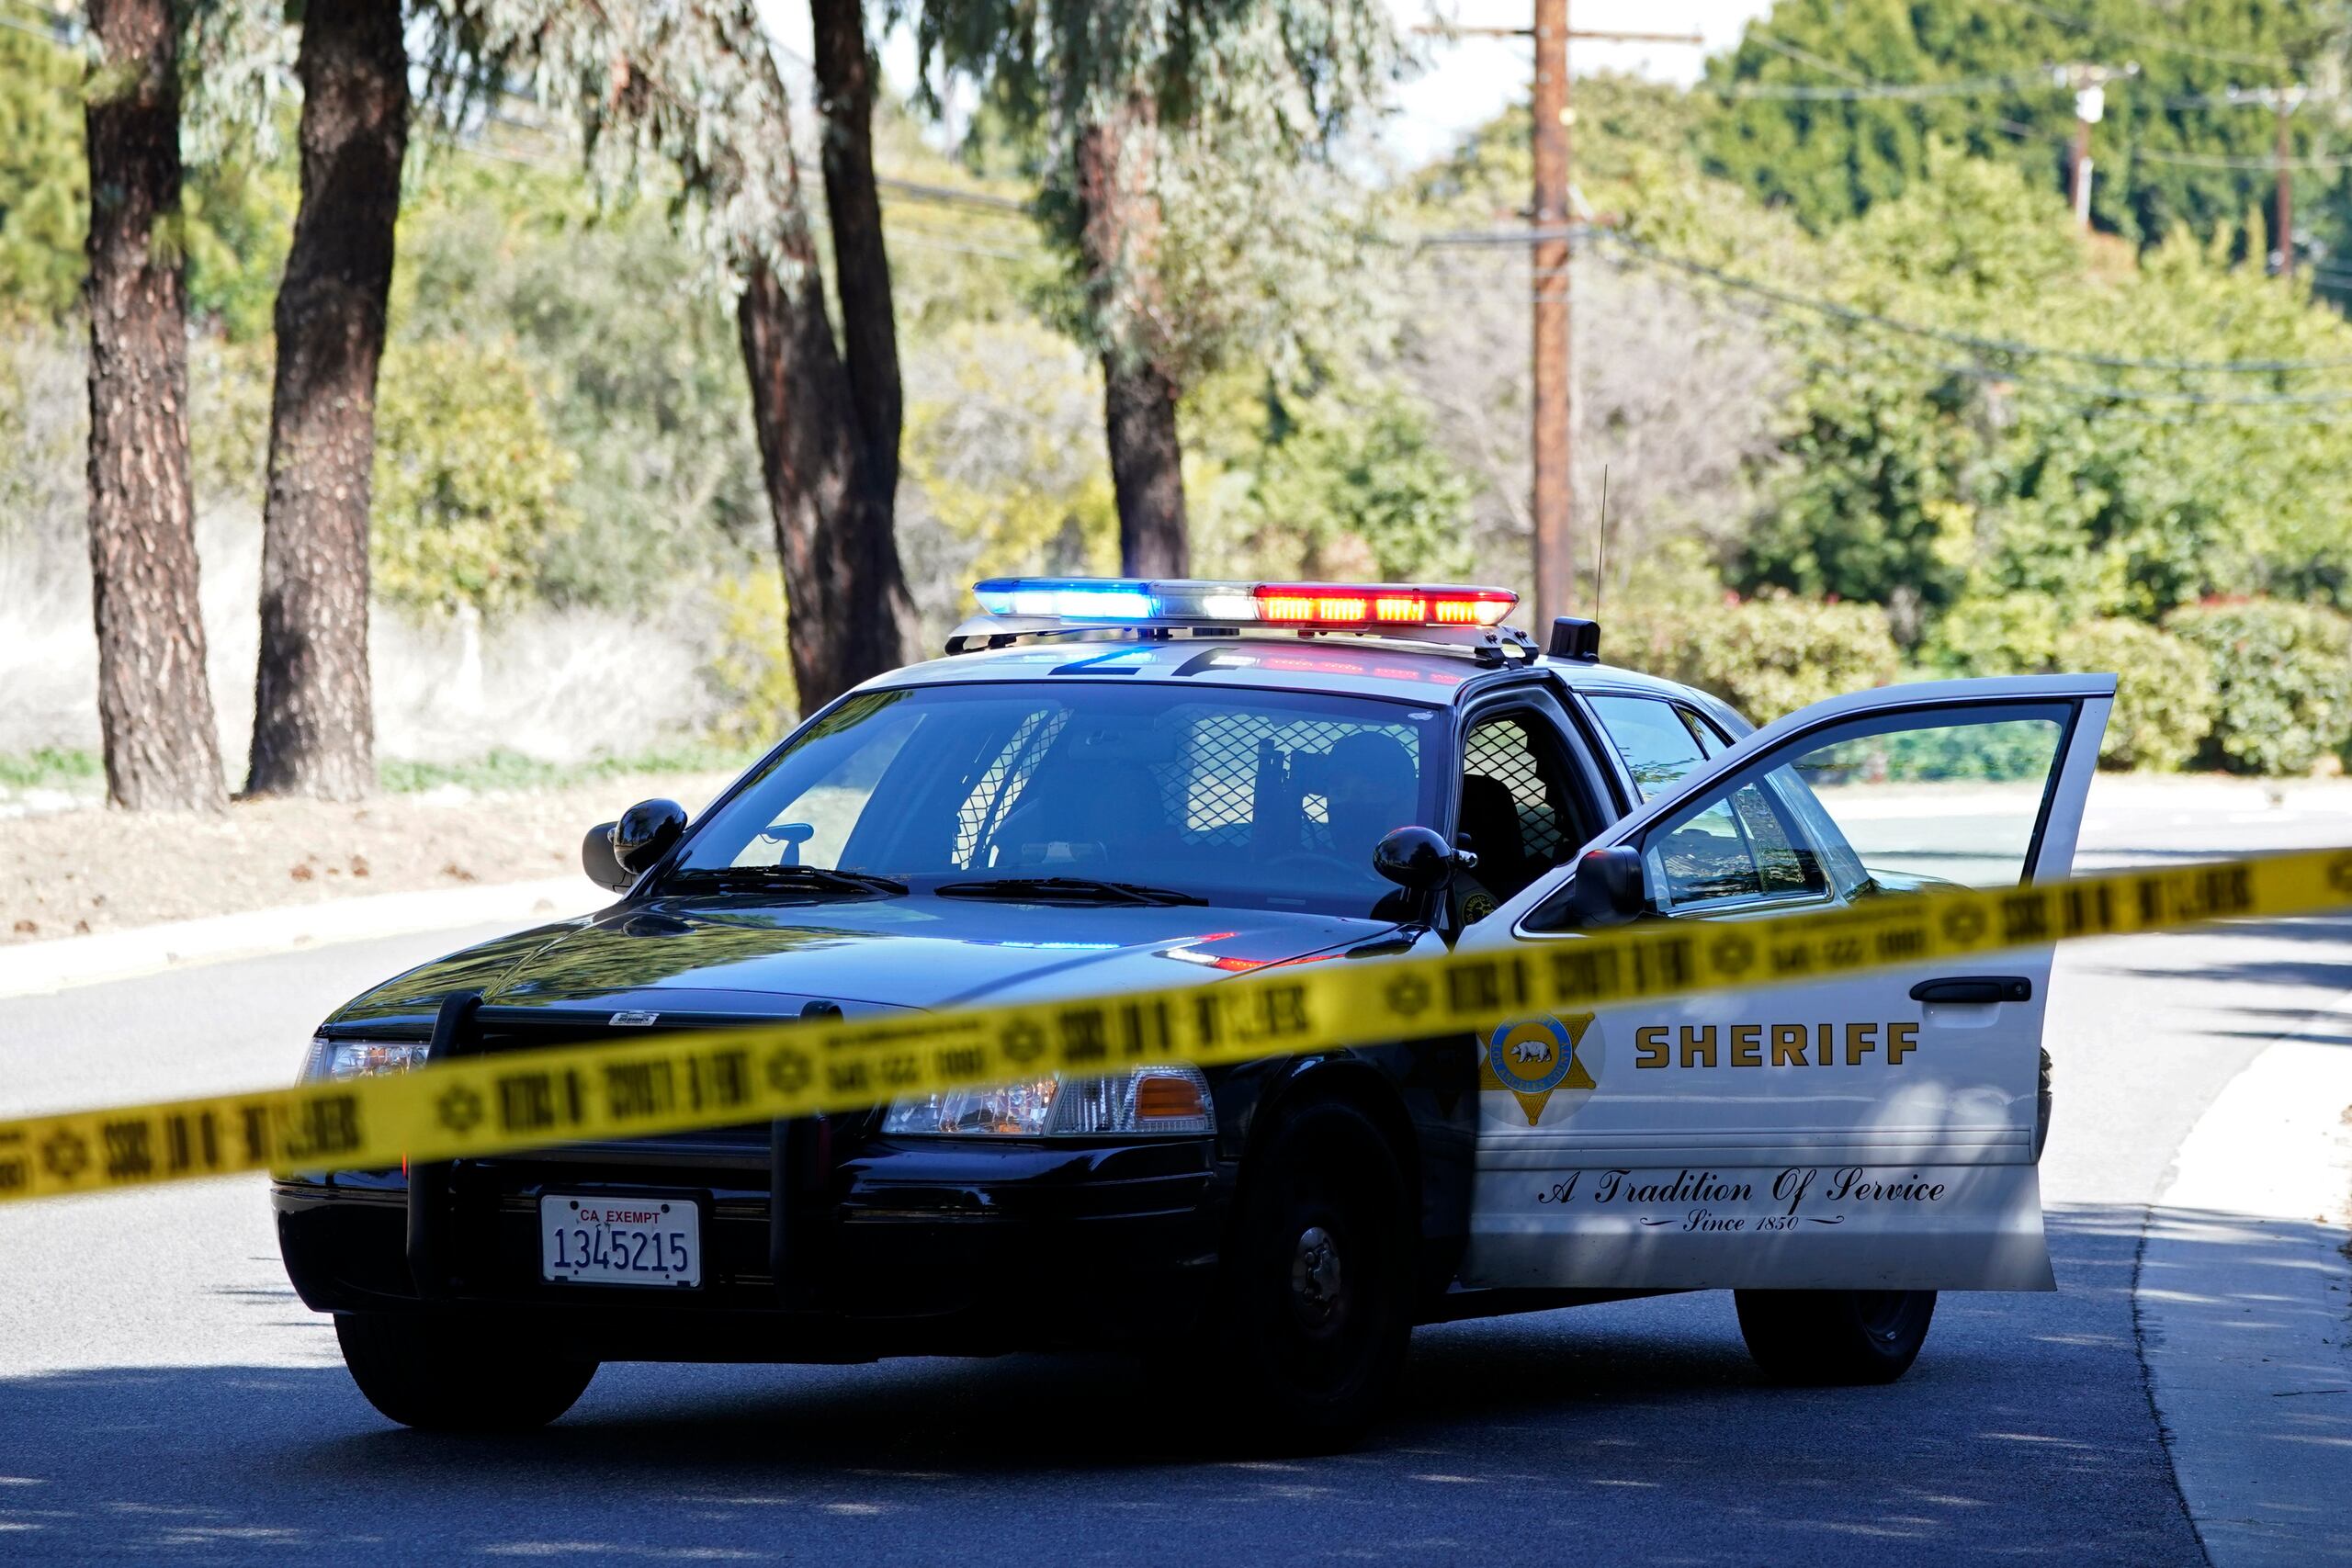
x: 661, y: 1082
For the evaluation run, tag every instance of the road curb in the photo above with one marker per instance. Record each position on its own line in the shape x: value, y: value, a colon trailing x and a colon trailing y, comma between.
x: 2244, y: 1300
x: 39, y: 967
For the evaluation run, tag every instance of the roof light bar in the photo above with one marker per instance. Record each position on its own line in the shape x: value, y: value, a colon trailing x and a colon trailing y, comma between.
x: 1306, y: 606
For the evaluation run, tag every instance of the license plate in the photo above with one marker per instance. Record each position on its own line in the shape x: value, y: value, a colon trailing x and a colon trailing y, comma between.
x: 608, y: 1240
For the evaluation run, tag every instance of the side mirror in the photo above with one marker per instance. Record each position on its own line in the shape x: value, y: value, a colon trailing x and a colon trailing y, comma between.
x: 645, y: 833
x: 597, y: 859
x: 1611, y: 888
x: 1418, y: 858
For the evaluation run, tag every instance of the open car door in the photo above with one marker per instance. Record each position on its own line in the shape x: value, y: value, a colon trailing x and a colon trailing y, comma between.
x: 1874, y: 1132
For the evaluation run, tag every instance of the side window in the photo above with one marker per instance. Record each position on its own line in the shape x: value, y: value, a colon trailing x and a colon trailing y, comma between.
x: 1655, y: 739
x: 1517, y: 811
x: 1711, y: 739
x: 1733, y: 846
x: 1884, y: 802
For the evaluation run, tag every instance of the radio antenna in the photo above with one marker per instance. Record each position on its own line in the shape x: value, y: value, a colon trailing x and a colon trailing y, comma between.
x: 1600, y: 550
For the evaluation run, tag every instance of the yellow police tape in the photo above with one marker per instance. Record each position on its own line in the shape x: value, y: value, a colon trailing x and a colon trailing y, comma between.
x: 668, y: 1082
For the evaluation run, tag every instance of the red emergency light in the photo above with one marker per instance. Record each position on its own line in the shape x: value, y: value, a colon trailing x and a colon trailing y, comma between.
x: 1343, y: 605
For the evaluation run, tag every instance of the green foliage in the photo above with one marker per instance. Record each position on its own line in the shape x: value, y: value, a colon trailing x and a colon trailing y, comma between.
x: 1925, y: 474
x: 470, y: 480
x: 634, y: 357
x: 1350, y: 487
x: 751, y: 670
x: 1006, y: 446
x: 1771, y: 655
x: 49, y: 767
x: 2000, y: 634
x: 237, y: 208
x: 2163, y: 692
x: 2164, y: 703
x: 2282, y: 675
x: 1224, y: 114
x: 44, y: 183
x: 1828, y: 159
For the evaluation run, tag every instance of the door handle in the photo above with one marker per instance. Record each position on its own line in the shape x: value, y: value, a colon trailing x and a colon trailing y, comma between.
x: 1974, y: 989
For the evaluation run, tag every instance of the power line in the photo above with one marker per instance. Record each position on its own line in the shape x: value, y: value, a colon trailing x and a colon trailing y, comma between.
x: 1757, y: 33
x: 949, y: 195
x: 2229, y: 161
x: 1854, y: 316
x: 1977, y: 86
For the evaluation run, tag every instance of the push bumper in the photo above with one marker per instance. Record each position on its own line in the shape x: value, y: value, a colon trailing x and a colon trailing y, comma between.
x: 904, y: 1247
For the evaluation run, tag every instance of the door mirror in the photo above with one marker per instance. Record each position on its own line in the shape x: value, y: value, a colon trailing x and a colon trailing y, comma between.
x: 1610, y: 888
x: 1418, y: 858
x: 597, y: 859
x: 645, y: 833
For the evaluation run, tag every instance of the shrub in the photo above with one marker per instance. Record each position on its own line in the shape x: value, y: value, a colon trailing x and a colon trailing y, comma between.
x: 470, y: 480
x: 1994, y: 633
x: 1773, y: 655
x: 2283, y: 680
x: 751, y: 670
x: 2164, y: 692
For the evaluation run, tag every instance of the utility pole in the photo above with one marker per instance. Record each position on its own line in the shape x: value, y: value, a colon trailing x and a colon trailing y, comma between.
x: 1552, y: 422
x: 2089, y: 85
x: 1553, y: 400
x: 2282, y: 102
x: 2285, y: 195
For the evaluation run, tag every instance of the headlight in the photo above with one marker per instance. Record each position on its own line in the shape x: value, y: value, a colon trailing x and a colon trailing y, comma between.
x: 361, y: 1058
x: 1146, y: 1100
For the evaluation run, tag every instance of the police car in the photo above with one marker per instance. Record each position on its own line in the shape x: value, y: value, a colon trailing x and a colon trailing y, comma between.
x: 1119, y: 783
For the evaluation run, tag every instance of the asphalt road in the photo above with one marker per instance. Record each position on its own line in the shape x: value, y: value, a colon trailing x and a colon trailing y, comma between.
x: 164, y: 1397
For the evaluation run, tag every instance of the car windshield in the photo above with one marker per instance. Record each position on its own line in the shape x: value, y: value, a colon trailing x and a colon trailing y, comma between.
x: 1256, y: 799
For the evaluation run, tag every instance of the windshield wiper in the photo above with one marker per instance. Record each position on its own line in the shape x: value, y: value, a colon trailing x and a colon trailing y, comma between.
x: 797, y: 878
x: 1073, y: 889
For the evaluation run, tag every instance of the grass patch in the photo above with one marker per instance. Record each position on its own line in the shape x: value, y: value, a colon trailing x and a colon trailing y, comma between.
x: 51, y: 767
x: 513, y: 771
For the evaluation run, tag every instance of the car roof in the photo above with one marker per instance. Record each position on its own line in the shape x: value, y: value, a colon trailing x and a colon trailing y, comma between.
x: 1338, y: 664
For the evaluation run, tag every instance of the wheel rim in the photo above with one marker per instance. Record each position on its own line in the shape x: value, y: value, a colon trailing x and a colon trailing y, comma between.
x: 1319, y: 1292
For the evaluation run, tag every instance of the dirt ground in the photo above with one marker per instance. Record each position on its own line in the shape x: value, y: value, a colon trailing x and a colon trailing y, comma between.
x: 73, y: 873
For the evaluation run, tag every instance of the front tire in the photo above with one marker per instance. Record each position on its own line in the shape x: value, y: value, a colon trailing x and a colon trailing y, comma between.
x: 1314, y: 1306
x: 1834, y: 1337
x: 440, y: 1376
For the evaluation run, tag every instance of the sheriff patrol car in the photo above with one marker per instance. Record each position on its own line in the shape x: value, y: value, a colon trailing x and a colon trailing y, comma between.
x: 1109, y: 784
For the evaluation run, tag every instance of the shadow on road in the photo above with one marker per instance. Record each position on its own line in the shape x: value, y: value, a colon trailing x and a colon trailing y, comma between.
x: 1636, y: 1432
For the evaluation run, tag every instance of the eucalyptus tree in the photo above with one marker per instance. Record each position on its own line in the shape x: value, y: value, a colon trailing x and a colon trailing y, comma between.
x: 693, y: 84
x: 313, y: 717
x: 154, y: 702
x: 1161, y: 118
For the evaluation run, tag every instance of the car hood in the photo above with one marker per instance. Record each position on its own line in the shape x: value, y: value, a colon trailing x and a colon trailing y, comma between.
x: 757, y: 957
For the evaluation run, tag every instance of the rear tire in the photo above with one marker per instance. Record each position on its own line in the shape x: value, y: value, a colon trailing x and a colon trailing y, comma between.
x: 1314, y: 1309
x: 1832, y: 1338
x: 442, y: 1376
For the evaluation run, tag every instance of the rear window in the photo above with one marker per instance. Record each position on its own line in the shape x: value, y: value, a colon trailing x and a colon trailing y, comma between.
x: 1658, y: 742
x: 1269, y: 799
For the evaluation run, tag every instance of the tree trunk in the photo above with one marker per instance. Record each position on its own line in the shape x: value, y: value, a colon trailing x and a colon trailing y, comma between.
x: 313, y: 716
x: 1147, y: 467
x: 827, y: 416
x: 843, y: 595
x: 1118, y: 232
x: 154, y: 704
x: 861, y: 263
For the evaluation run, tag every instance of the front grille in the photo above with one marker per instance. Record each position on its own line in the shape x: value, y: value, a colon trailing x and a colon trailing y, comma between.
x: 499, y: 1032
